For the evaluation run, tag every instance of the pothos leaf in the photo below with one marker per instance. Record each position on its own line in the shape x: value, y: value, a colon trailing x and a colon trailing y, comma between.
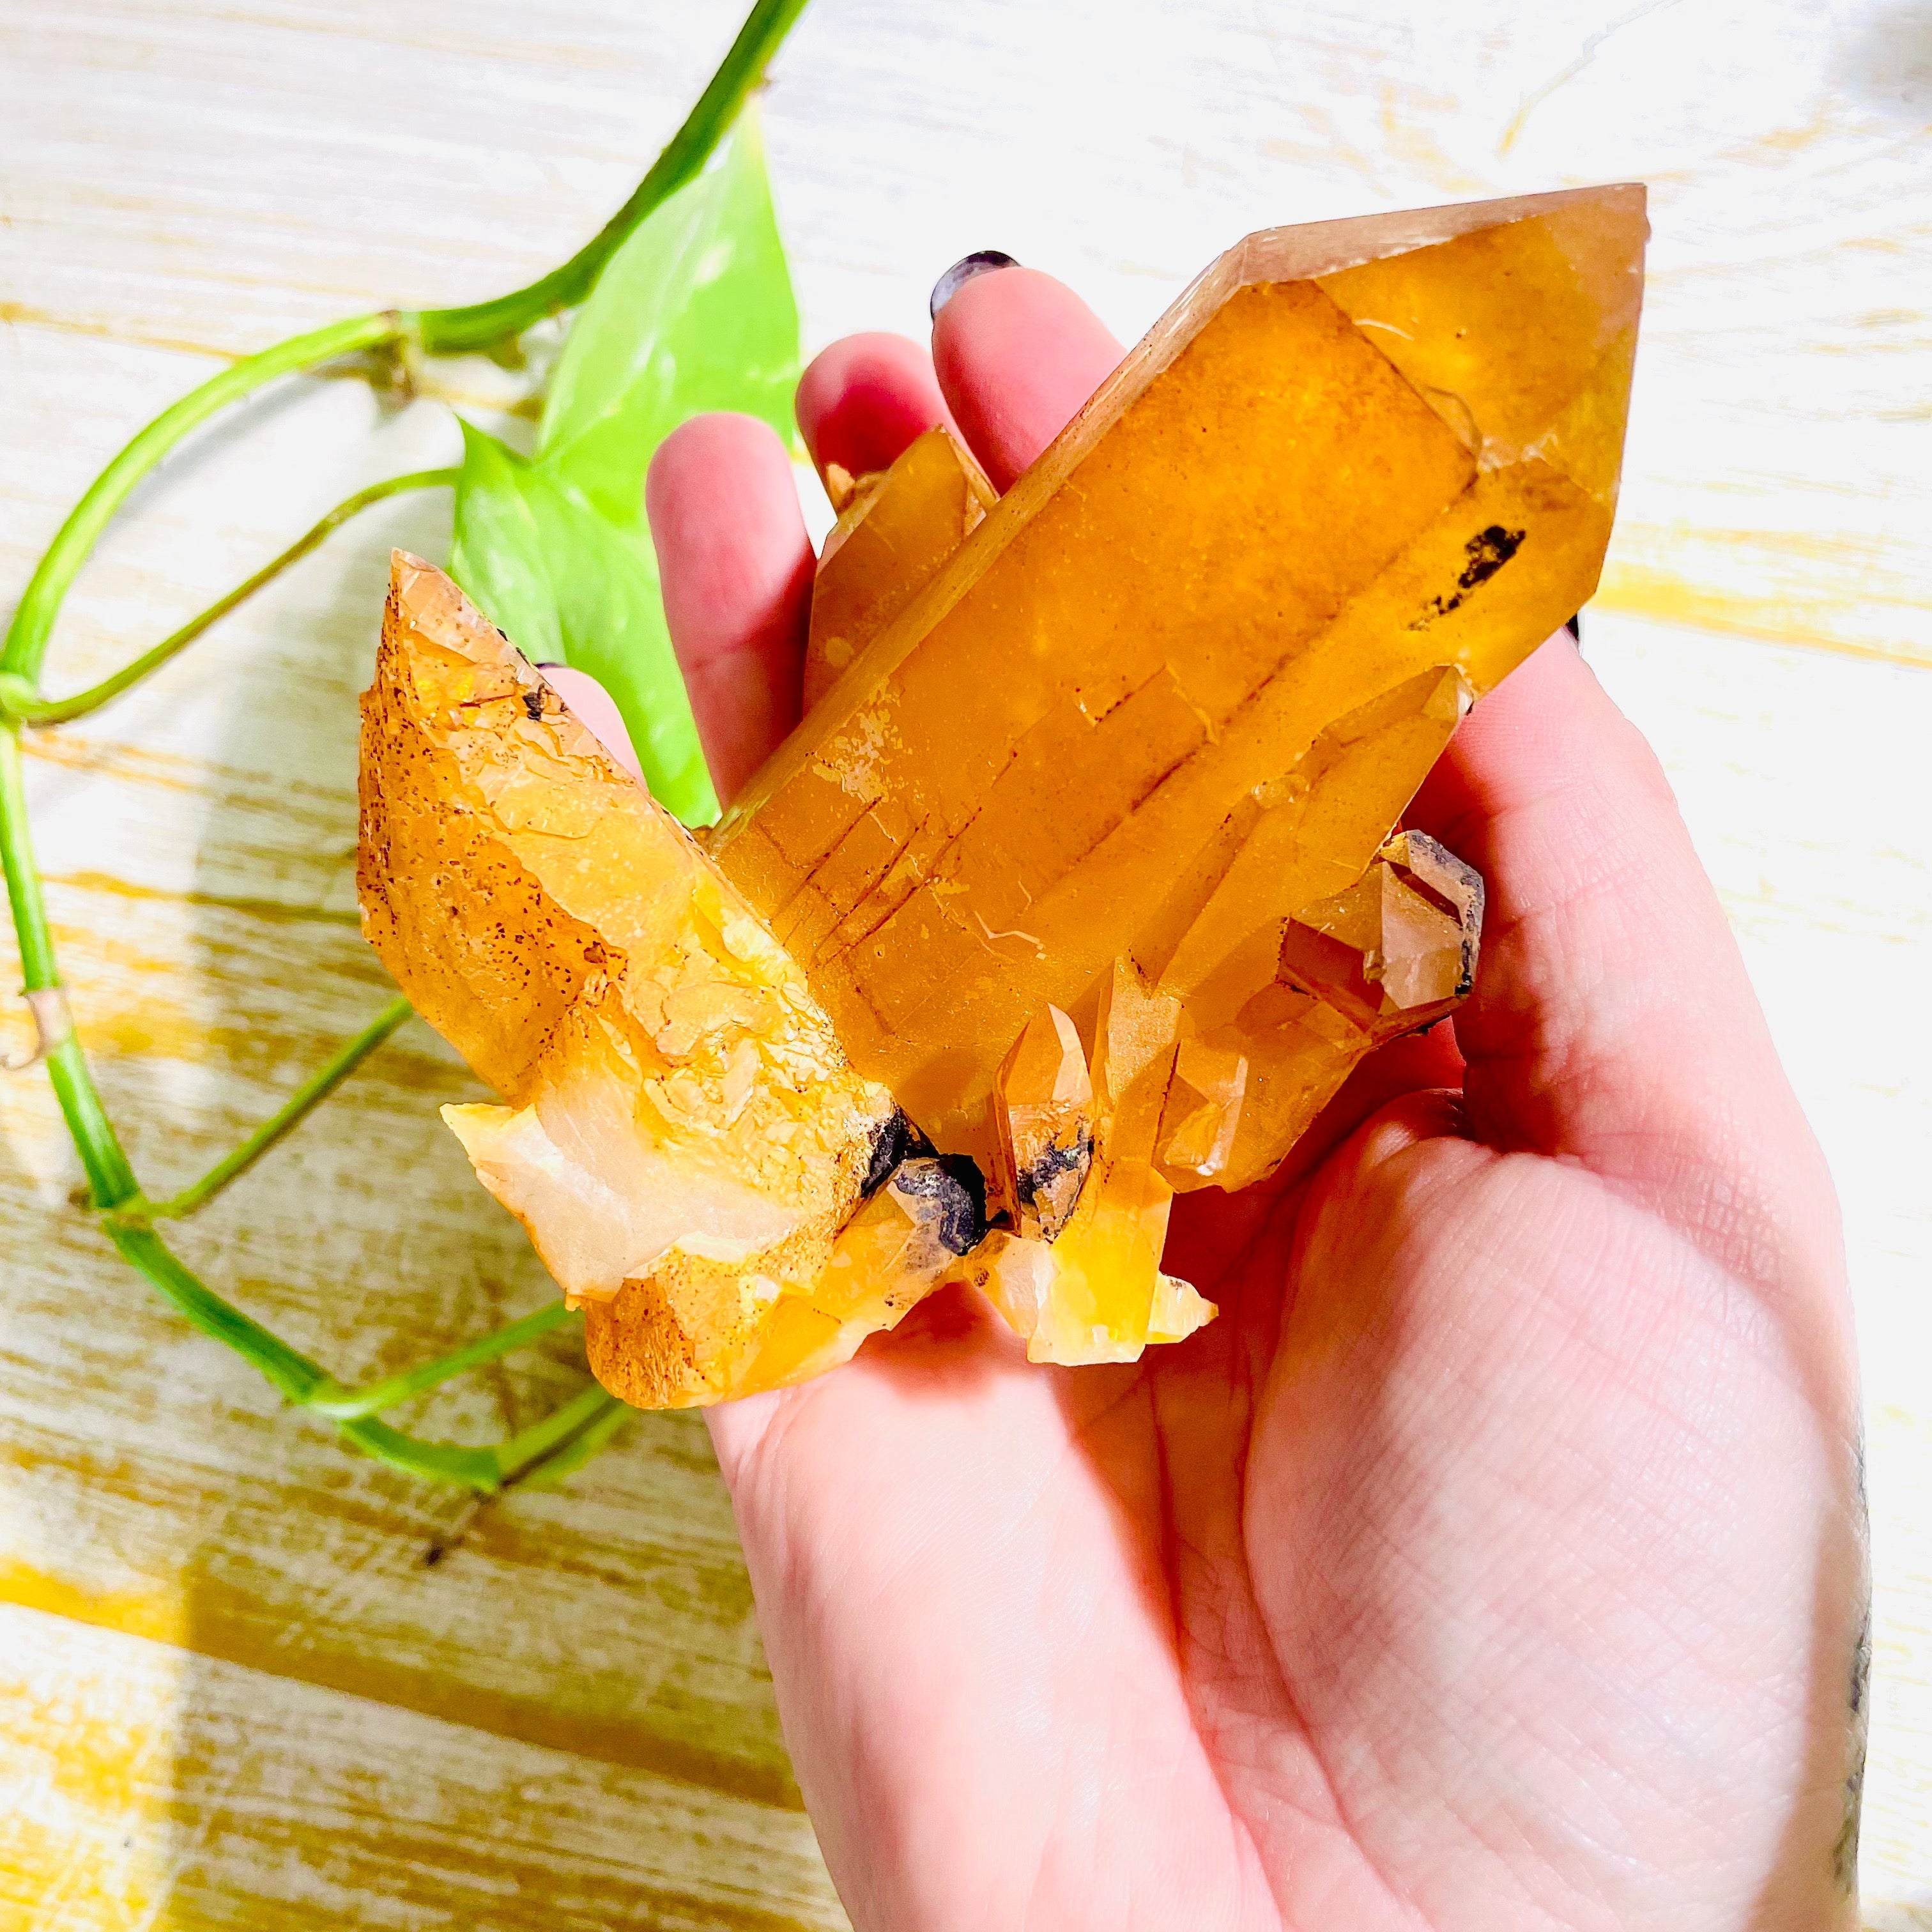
x: 565, y: 586
x: 694, y: 313
x: 497, y: 555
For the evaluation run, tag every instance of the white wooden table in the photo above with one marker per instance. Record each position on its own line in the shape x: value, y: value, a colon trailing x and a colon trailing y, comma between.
x: 231, y: 1690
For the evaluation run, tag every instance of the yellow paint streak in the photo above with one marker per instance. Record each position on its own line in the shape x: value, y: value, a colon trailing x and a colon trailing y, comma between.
x: 1564, y: 75
x: 158, y: 1613
x: 312, y: 1630
x: 1642, y: 590
x: 274, y: 910
x: 25, y: 315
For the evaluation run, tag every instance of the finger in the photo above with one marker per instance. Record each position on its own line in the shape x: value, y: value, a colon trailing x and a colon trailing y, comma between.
x: 595, y: 710
x: 1611, y: 1020
x: 865, y: 398
x: 1211, y: 1231
x: 736, y: 567
x: 1417, y: 1062
x: 1017, y: 353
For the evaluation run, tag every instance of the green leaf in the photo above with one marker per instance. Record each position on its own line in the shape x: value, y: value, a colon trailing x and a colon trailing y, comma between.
x: 497, y: 555
x: 565, y: 586
x: 694, y: 313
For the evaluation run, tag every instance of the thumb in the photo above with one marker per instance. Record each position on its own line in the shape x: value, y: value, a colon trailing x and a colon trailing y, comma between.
x: 1612, y: 1022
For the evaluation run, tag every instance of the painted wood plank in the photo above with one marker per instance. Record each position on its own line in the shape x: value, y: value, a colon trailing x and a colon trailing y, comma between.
x: 148, y: 1786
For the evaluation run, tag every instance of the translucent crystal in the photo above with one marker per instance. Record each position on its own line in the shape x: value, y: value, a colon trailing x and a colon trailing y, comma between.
x: 1089, y: 854
x: 683, y: 1129
x: 895, y: 528
x: 1203, y: 1112
x: 1091, y: 1293
x: 1355, y: 474
x: 1042, y: 1126
x: 1392, y: 953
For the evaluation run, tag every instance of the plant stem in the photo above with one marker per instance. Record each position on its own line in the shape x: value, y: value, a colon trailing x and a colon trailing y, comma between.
x: 440, y: 331
x: 27, y: 635
x: 317, y: 1088
x: 570, y: 1434
x: 37, y: 971
x: 111, y: 1183
x: 484, y: 325
x: 289, y: 1371
x: 575, y: 1454
x: 345, y: 1405
x: 530, y: 1446
x: 109, y: 1178
x: 17, y: 698
x: 295, y: 1376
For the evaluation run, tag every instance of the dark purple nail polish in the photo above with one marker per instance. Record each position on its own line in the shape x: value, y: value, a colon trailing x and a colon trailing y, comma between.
x: 981, y: 262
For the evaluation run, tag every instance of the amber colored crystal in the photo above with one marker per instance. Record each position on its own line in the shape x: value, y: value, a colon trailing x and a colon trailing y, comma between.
x: 895, y: 528
x: 1359, y: 469
x: 1090, y: 857
x: 1042, y: 1127
x: 681, y: 1118
x: 1094, y: 1291
x: 1202, y: 1114
x: 1391, y: 953
x: 900, y: 1244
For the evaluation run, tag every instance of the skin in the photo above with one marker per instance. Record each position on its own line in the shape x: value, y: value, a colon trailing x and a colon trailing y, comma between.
x: 1496, y: 1560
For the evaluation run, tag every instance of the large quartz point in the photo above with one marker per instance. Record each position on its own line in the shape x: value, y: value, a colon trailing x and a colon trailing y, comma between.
x: 1185, y: 677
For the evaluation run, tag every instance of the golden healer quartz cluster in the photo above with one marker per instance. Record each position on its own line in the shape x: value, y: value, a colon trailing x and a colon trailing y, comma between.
x: 1083, y: 880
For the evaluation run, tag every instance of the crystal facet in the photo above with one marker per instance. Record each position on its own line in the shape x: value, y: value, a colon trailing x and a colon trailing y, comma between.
x: 1042, y: 1126
x: 895, y: 528
x: 1358, y: 468
x: 681, y: 1113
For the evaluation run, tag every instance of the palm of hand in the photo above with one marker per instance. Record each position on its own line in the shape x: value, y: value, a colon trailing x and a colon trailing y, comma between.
x: 1495, y: 1560
x: 1478, y: 1589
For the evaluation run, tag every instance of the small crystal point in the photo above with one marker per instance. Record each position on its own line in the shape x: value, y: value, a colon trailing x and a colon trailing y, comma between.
x: 896, y: 527
x: 1203, y: 1113
x: 1042, y: 1126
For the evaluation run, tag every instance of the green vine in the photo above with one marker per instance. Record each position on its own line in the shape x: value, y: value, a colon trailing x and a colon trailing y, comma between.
x: 566, y: 1438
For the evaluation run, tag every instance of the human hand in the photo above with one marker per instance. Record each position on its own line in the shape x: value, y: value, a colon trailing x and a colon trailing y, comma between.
x: 1496, y: 1561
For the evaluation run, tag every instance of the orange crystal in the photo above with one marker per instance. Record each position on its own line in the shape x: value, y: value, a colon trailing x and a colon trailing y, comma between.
x: 895, y: 528
x: 1090, y: 855
x: 1042, y: 1126
x: 1359, y: 469
x: 683, y: 1127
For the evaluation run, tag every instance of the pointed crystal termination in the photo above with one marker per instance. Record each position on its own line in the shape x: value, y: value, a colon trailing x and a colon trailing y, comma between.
x: 1202, y: 1115
x: 1042, y: 1126
x: 896, y: 527
x: 1350, y: 479
x: 1389, y: 955
x: 1094, y: 1291
x: 685, y: 1140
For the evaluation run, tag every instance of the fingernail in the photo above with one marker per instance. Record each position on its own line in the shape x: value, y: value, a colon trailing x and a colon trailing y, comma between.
x: 981, y: 262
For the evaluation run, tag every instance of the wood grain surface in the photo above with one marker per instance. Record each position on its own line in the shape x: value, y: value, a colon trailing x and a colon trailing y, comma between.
x: 248, y: 1680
